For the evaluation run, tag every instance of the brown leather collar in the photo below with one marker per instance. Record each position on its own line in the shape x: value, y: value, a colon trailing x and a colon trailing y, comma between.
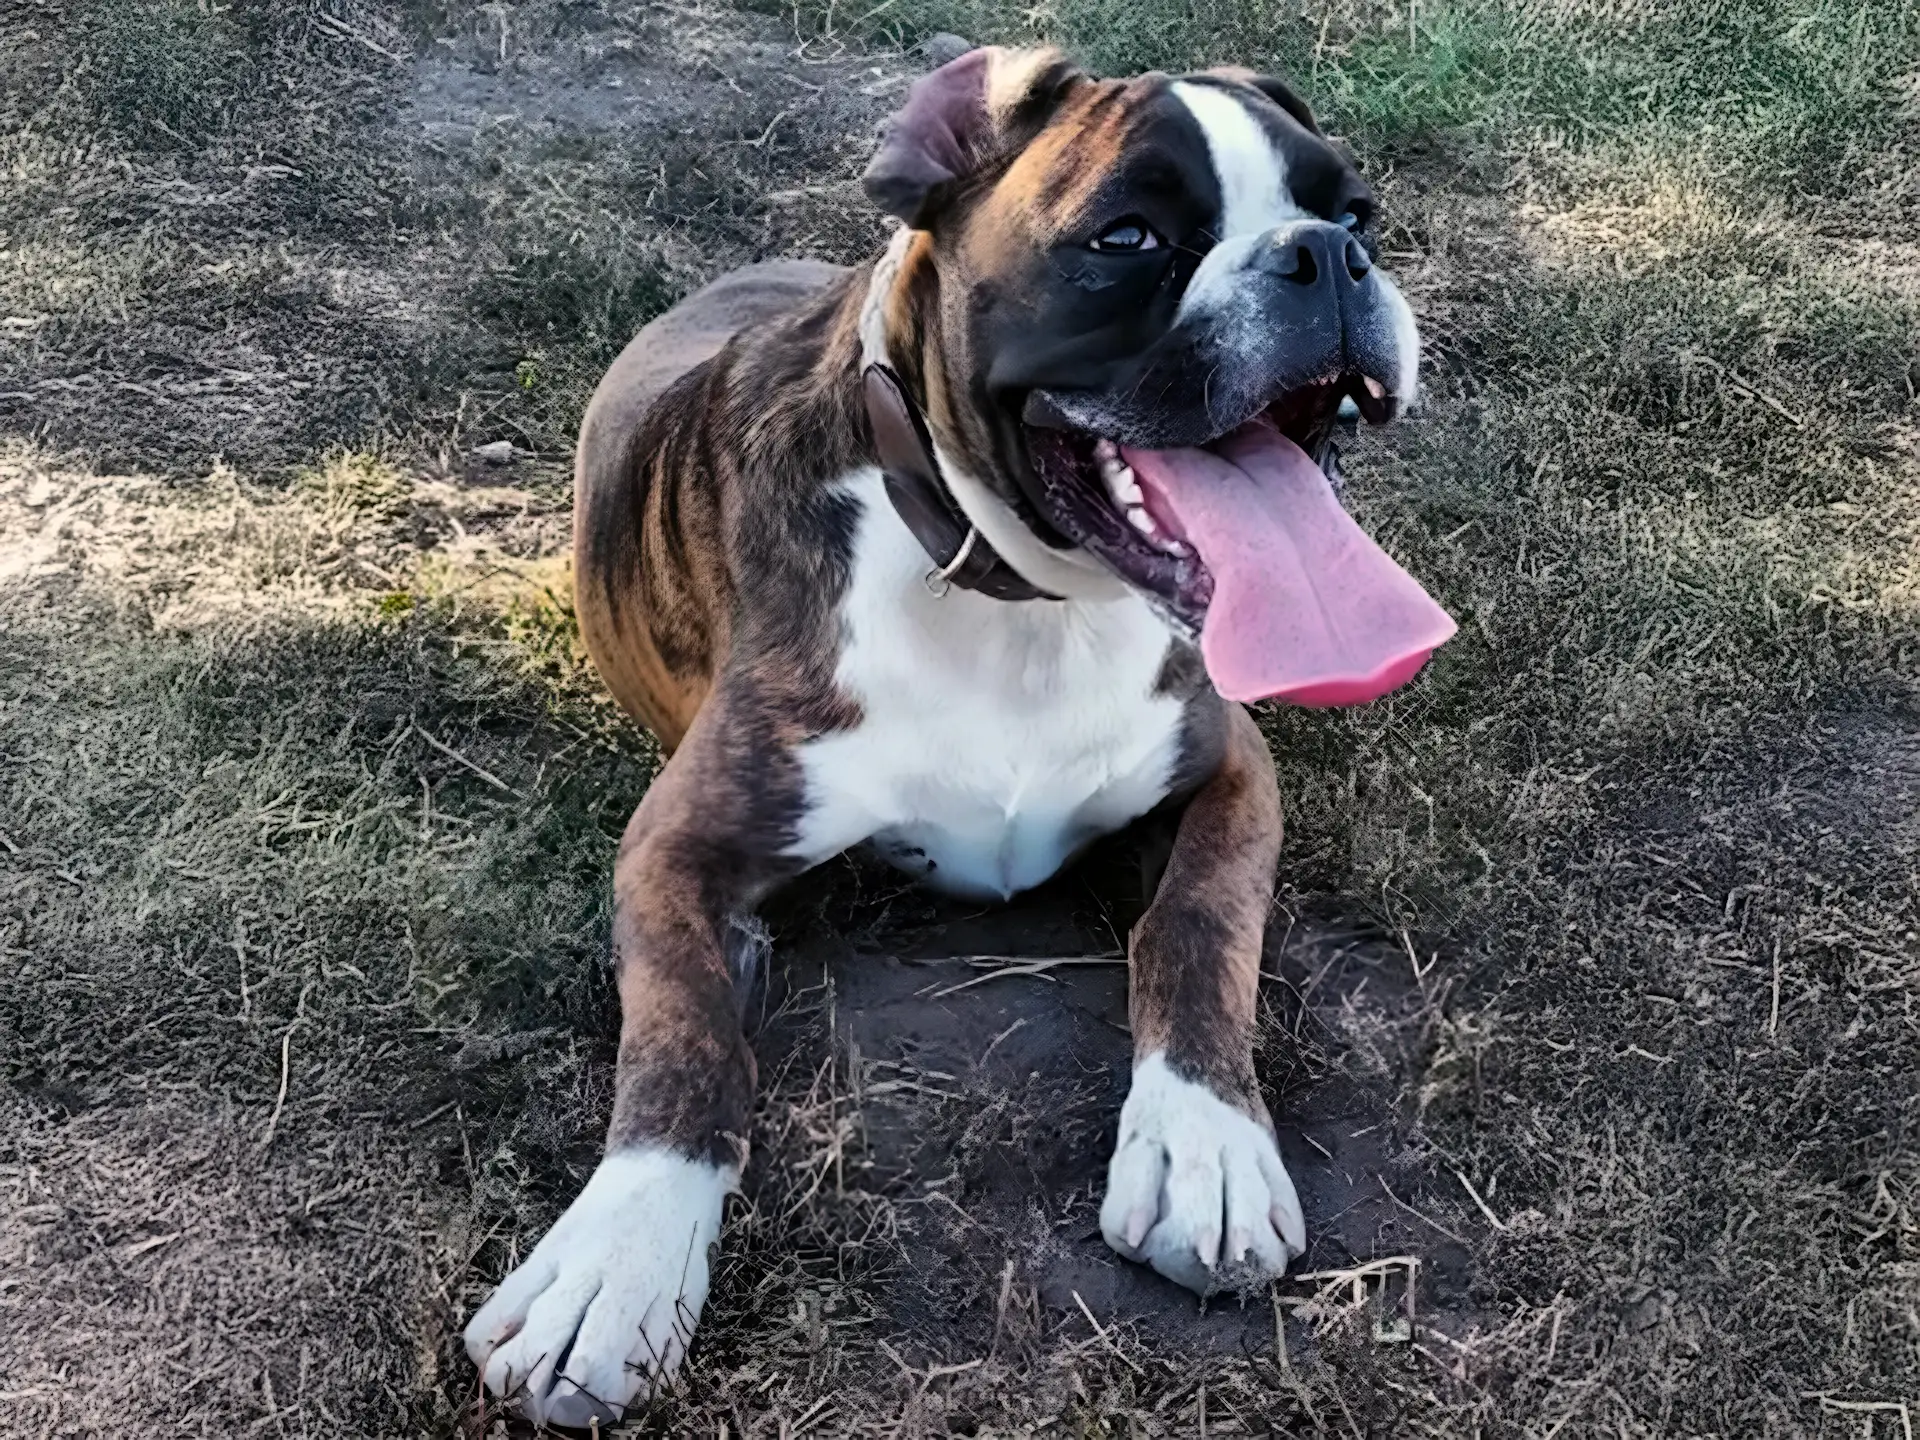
x: 914, y: 485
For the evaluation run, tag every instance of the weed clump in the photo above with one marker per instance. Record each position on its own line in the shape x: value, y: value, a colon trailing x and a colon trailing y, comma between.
x: 170, y: 71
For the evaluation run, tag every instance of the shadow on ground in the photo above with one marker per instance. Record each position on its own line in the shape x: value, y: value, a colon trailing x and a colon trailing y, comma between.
x: 991, y: 1052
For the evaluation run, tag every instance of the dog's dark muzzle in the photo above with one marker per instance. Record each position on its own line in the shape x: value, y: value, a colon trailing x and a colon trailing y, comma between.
x: 1303, y: 306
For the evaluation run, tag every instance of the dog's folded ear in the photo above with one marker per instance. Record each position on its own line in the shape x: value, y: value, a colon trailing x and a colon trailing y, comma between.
x: 1275, y: 89
x: 959, y: 120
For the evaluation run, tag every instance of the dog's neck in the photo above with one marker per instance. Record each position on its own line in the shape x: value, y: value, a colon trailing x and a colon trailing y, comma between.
x: 881, y: 279
x: 959, y: 554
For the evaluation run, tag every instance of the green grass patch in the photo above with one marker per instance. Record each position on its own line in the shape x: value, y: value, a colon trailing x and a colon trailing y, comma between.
x: 558, y: 287
x: 1660, y: 533
x: 262, y: 902
x: 557, y: 305
x: 1800, y: 93
x: 169, y: 70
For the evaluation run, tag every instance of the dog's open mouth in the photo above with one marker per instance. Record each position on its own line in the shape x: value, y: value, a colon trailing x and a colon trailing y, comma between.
x: 1244, y: 541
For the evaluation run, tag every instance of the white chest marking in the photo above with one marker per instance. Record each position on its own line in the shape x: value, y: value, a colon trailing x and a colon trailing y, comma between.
x: 997, y: 739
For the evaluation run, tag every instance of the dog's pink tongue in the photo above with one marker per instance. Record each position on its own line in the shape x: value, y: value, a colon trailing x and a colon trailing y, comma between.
x: 1306, y: 608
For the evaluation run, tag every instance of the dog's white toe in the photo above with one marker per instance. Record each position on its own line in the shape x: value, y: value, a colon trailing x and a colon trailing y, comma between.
x: 1196, y: 1188
x: 607, y: 1301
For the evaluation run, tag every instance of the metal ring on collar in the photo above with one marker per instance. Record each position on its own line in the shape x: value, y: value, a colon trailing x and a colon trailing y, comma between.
x: 940, y: 581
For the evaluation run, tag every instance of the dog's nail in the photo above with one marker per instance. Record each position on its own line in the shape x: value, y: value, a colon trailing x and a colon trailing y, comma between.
x: 1206, y: 1244
x: 1139, y: 1221
x: 1292, y: 1232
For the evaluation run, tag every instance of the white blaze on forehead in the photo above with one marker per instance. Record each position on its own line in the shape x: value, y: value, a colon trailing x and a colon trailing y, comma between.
x: 1251, y: 170
x: 1257, y: 209
x: 1254, y: 199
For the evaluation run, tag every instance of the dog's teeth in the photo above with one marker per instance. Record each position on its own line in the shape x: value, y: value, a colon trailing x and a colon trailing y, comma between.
x: 1375, y: 388
x: 1105, y: 450
x: 1120, y: 482
x: 1142, y: 520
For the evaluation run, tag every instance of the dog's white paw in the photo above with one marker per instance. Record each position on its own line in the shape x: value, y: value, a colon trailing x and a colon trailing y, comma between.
x: 1196, y: 1189
x: 608, y: 1299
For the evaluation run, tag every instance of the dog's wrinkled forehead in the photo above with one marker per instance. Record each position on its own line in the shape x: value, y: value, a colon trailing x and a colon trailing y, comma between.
x: 1200, y: 157
x: 1023, y: 139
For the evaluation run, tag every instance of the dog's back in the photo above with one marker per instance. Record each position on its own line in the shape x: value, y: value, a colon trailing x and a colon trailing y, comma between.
x: 613, y: 494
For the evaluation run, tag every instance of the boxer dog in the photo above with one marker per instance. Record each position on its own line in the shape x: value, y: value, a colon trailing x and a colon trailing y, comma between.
x: 970, y: 554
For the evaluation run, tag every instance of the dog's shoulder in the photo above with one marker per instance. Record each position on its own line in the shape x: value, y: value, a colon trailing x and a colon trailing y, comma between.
x: 703, y: 483
x: 749, y: 301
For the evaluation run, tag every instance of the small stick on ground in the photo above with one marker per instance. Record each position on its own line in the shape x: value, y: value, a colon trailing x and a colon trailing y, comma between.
x: 1485, y: 1209
x: 1773, y: 1015
x: 1105, y: 1338
x: 1000, y: 1311
x: 1748, y: 388
x: 1418, y: 1215
x: 1353, y: 1274
x: 991, y: 1044
x: 1866, y: 1407
x: 1102, y: 957
x: 347, y: 32
x: 286, y: 1055
x: 454, y: 755
x: 1027, y: 967
x: 1280, y: 1334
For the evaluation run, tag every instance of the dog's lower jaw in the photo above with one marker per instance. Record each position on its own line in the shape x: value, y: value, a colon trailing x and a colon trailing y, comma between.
x: 606, y: 1304
x: 1197, y: 1189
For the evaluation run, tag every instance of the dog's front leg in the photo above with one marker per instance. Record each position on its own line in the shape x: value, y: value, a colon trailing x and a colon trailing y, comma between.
x: 1196, y: 1188
x: 608, y: 1300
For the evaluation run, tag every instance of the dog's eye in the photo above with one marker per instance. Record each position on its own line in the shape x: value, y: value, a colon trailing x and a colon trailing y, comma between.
x: 1356, y: 216
x: 1127, y: 236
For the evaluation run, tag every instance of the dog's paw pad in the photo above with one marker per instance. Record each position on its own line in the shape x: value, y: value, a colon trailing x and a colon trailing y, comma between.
x: 1196, y: 1188
x: 608, y: 1300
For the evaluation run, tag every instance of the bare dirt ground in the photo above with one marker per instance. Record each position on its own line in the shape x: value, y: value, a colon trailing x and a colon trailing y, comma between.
x: 1591, y: 999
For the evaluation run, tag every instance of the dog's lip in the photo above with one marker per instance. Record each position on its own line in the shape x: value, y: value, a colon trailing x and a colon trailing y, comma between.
x: 1377, y: 399
x: 1064, y: 486
x: 1378, y: 403
x: 1305, y: 413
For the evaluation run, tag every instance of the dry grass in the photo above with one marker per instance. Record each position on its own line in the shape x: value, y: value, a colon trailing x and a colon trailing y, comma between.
x: 306, y: 800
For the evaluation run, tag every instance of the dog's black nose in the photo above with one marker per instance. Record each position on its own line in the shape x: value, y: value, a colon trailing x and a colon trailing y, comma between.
x: 1307, y: 254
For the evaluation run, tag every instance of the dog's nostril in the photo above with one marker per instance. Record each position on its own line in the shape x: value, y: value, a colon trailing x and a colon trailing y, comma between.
x: 1300, y: 266
x: 1358, y: 261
